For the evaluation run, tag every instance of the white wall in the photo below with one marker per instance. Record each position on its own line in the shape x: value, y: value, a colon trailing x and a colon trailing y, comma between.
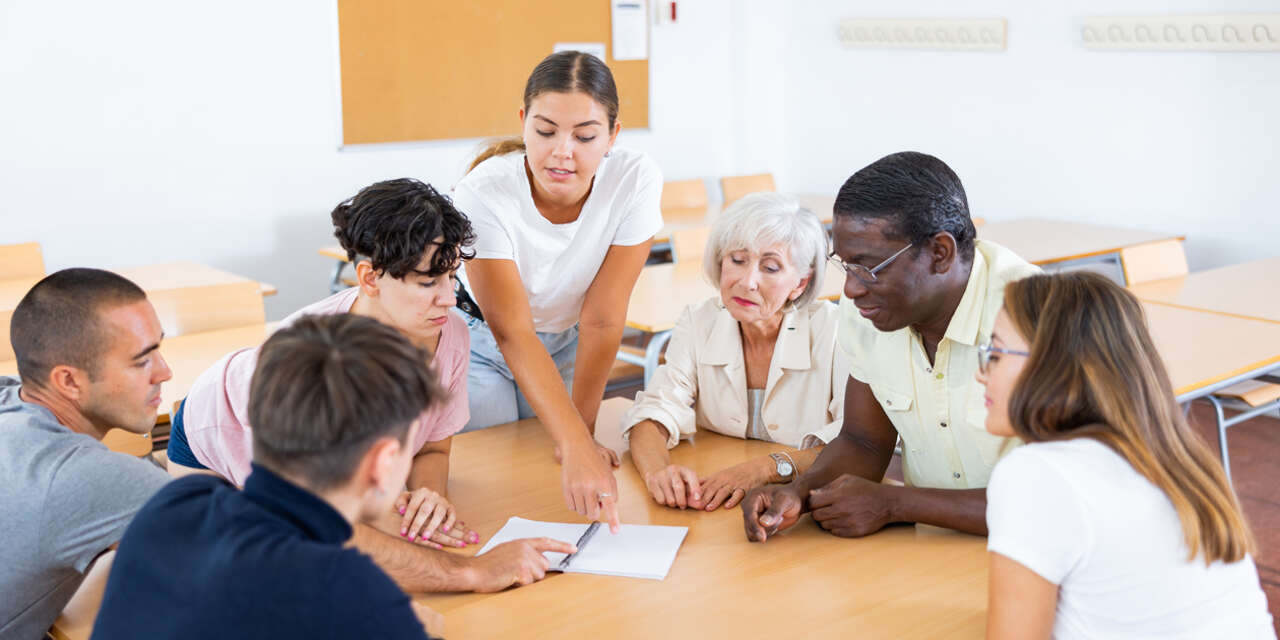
x: 146, y: 130
x: 149, y: 130
x: 1179, y: 142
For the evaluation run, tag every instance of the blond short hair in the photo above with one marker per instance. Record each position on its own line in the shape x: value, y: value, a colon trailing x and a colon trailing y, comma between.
x: 762, y: 220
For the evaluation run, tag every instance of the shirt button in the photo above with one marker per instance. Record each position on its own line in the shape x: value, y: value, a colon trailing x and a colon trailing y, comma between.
x: 944, y: 425
x: 939, y: 376
x: 957, y: 475
x: 889, y: 402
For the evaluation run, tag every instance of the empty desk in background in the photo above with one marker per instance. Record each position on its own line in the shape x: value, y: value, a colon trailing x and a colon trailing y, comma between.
x: 1248, y: 289
x: 1056, y: 243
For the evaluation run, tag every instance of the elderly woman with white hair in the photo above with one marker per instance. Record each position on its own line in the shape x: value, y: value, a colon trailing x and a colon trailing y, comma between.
x: 759, y: 360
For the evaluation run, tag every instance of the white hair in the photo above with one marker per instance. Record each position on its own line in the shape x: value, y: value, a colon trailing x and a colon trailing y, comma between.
x: 761, y: 220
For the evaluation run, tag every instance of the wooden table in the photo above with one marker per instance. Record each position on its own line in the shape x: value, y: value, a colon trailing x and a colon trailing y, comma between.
x: 151, y: 277
x: 663, y: 291
x: 904, y: 582
x: 1247, y: 290
x: 1059, y: 243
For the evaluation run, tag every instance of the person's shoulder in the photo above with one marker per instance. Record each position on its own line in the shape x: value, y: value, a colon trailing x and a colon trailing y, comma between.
x: 1003, y: 264
x: 1051, y: 461
x: 335, y: 304
x: 455, y: 339
x: 503, y: 170
x: 626, y: 166
x: 823, y: 315
x: 188, y: 492
x: 358, y: 579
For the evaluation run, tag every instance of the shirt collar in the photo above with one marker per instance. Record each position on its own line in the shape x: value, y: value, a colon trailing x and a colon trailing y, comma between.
x: 791, y: 351
x: 967, y: 318
x: 314, y: 517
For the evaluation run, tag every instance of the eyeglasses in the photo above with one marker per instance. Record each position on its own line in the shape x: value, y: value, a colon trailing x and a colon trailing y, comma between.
x: 867, y: 276
x: 984, y: 355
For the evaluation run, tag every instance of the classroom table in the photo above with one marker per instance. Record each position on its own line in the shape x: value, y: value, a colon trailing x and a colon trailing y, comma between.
x: 663, y: 291
x: 1216, y: 329
x: 1244, y: 289
x: 904, y: 582
x: 151, y: 277
x: 1058, y: 243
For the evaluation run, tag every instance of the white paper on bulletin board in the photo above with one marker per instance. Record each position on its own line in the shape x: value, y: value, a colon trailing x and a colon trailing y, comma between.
x: 630, y: 29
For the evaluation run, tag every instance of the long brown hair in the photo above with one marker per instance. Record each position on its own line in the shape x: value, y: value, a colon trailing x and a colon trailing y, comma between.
x: 563, y: 72
x: 1094, y: 372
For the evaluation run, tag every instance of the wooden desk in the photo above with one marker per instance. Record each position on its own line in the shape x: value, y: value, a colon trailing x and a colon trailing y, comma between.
x: 151, y: 277
x: 1055, y: 242
x: 904, y: 582
x: 687, y: 218
x: 1240, y: 290
x: 663, y: 291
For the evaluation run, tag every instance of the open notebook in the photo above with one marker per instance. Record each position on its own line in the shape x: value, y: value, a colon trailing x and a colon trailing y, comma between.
x: 636, y: 551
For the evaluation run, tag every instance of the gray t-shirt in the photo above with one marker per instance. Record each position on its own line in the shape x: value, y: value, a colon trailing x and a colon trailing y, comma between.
x: 66, y: 499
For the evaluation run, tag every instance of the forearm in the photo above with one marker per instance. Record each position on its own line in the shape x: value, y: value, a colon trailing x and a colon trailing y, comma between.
x: 649, y: 447
x: 597, y: 350
x: 539, y: 380
x: 430, y: 470
x: 959, y: 509
x: 844, y: 454
x: 415, y: 568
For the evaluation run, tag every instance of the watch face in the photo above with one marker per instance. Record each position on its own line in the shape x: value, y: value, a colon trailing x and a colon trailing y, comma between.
x: 784, y: 468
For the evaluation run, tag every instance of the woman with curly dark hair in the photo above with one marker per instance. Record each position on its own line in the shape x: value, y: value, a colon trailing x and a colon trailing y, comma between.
x: 406, y: 241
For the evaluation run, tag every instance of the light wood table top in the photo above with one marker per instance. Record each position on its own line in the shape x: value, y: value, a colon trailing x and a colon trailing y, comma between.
x: 663, y: 291
x: 151, y: 277
x: 1245, y: 289
x: 904, y: 582
x: 1042, y: 241
x: 1201, y: 348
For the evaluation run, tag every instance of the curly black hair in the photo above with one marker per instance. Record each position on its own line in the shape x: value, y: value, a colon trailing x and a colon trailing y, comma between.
x: 917, y: 193
x: 391, y: 224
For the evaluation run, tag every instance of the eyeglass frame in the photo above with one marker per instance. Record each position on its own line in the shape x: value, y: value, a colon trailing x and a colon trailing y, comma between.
x: 853, y: 269
x: 984, y: 356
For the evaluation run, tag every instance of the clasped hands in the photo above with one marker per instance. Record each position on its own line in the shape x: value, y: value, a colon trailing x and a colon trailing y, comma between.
x: 849, y: 506
x: 679, y: 486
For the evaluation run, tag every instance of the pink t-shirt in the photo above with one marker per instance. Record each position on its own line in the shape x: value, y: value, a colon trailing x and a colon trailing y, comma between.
x: 216, y: 414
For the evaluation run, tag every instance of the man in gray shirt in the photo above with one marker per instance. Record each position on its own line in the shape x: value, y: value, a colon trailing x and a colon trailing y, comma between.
x: 87, y: 345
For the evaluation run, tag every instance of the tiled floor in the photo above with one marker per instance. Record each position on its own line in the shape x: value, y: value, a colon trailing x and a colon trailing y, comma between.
x: 1255, y: 466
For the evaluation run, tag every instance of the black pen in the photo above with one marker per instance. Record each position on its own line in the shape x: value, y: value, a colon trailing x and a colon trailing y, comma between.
x: 582, y: 542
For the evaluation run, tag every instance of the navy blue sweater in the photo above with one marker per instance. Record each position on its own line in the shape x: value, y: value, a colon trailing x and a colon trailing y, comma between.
x: 204, y: 560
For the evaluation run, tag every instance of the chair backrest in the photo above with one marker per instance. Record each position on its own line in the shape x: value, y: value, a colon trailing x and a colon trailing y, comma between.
x: 134, y: 444
x: 21, y: 261
x: 1153, y: 261
x: 735, y: 187
x: 689, y: 245
x: 684, y: 194
x: 208, y: 307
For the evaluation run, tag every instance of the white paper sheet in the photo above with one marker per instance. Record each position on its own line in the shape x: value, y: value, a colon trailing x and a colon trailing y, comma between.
x: 630, y: 29
x: 636, y: 551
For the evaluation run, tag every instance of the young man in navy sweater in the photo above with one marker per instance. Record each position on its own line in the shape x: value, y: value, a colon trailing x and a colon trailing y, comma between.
x: 334, y: 400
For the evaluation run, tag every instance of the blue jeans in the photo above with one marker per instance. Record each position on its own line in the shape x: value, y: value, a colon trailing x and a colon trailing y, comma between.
x: 492, y: 393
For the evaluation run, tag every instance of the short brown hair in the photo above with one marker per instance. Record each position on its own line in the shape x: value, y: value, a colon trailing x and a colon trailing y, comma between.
x: 1094, y: 372
x: 327, y: 387
x: 59, y: 321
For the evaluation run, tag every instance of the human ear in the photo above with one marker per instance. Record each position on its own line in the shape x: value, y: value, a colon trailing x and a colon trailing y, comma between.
x: 68, y: 381
x: 943, y: 250
x: 384, y: 466
x: 795, y: 293
x: 367, y: 278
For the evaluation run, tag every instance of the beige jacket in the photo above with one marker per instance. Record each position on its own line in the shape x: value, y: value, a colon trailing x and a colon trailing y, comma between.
x: 704, y: 380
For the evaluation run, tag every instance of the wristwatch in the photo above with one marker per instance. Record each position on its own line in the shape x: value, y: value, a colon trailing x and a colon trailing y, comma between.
x: 786, y: 468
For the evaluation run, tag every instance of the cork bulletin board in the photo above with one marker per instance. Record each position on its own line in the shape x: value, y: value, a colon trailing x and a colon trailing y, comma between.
x: 416, y: 70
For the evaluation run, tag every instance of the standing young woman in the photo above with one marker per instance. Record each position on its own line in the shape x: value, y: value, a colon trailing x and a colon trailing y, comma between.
x: 1114, y: 521
x: 563, y: 222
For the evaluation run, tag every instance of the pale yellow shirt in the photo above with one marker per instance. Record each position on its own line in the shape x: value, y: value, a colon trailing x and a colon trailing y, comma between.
x: 938, y: 408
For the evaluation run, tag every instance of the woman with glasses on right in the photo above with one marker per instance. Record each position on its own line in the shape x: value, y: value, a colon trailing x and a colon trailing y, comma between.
x: 1114, y: 520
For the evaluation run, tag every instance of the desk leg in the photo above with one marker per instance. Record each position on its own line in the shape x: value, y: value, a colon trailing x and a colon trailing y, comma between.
x: 335, y: 281
x: 1221, y: 422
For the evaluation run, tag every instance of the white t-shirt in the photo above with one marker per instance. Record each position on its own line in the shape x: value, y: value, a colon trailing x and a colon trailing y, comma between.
x: 1077, y: 514
x: 557, y: 262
